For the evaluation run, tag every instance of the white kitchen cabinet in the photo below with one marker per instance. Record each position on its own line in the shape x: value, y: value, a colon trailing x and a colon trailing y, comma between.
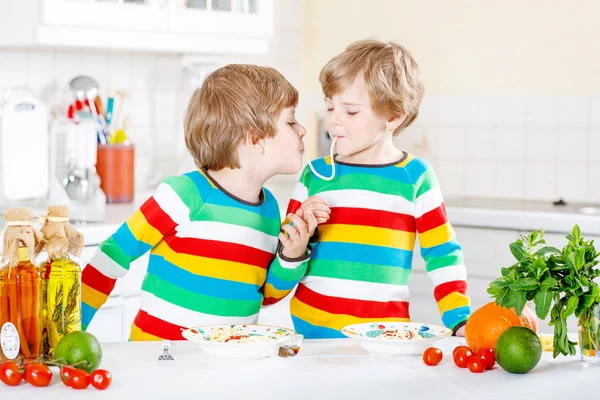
x: 172, y: 26
x: 132, y: 15
x: 222, y: 17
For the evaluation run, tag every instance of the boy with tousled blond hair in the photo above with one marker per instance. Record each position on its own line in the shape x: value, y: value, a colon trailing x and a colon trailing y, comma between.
x: 217, y: 252
x: 380, y: 199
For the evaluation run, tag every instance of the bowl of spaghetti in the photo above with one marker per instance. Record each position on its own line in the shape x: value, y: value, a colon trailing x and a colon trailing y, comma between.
x: 395, y: 338
x: 243, y: 341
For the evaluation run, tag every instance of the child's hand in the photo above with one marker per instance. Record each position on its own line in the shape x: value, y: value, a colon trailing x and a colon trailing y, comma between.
x: 461, y: 331
x: 304, y: 223
x: 319, y: 207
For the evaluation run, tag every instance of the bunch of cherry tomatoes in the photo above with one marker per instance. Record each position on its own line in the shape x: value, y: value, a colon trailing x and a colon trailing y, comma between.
x: 464, y: 357
x: 40, y: 375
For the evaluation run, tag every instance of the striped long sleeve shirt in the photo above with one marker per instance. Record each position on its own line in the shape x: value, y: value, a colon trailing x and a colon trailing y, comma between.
x: 360, y: 268
x: 213, y: 259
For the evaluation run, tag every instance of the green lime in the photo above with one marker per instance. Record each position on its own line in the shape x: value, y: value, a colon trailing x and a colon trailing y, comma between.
x: 80, y: 349
x: 518, y: 350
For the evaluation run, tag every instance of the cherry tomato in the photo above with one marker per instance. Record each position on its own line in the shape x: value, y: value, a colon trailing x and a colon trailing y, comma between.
x: 38, y: 374
x: 476, y: 364
x: 10, y: 373
x: 100, y: 379
x: 79, y: 379
x: 460, y: 348
x: 460, y: 360
x: 66, y: 372
x: 465, y: 352
x: 432, y: 356
x: 488, y: 355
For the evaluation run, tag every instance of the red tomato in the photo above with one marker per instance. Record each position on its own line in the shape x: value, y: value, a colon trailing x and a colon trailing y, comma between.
x: 432, y: 356
x: 460, y: 348
x: 476, y: 364
x: 10, y: 373
x: 460, y: 361
x: 66, y: 372
x: 38, y: 374
x: 489, y: 355
x: 100, y: 379
x: 79, y: 379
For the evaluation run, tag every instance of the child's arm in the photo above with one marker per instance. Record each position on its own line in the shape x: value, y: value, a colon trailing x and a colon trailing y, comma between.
x: 441, y: 252
x: 300, y: 200
x: 167, y: 208
x: 291, y: 260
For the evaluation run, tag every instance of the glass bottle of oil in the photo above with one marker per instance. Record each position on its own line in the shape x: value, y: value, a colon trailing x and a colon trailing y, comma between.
x: 61, y: 279
x: 20, y: 289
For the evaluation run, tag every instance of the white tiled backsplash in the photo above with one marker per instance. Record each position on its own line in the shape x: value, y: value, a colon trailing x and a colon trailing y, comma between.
x: 157, y: 84
x: 519, y: 147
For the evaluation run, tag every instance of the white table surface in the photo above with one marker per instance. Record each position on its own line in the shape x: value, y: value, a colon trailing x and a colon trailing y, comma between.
x: 327, y: 369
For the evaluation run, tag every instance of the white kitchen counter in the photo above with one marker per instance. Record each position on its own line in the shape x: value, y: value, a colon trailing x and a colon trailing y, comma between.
x: 330, y: 369
x: 520, y: 215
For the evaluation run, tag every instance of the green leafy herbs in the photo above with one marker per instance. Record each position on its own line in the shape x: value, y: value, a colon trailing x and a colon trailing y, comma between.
x: 559, y: 282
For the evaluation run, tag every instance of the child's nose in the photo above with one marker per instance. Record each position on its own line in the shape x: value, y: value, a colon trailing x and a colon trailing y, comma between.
x: 301, y: 131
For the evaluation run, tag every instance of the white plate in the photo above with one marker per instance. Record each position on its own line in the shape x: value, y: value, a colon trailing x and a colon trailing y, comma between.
x: 266, y: 340
x: 370, y: 339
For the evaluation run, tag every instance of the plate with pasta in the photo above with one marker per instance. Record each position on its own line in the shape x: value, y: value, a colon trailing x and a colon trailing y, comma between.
x: 395, y: 338
x: 241, y: 341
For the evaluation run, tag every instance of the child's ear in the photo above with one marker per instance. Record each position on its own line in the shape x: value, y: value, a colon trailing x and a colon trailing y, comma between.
x: 254, y: 142
x: 394, y: 122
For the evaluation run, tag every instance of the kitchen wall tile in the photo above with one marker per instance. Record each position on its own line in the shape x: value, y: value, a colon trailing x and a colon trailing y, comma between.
x: 480, y: 178
x: 453, y: 110
x: 481, y: 110
x: 509, y: 110
x: 594, y: 145
x: 509, y: 143
x: 541, y: 143
x: 452, y: 143
x: 542, y: 110
x: 510, y: 181
x: 39, y: 62
x: 429, y: 112
x: 573, y: 111
x: 572, y: 181
x: 451, y: 177
x: 572, y: 145
x: 12, y: 71
x: 67, y: 65
x: 480, y: 143
x: 119, y: 71
x: 540, y: 181
x: 595, y: 111
x: 593, y: 184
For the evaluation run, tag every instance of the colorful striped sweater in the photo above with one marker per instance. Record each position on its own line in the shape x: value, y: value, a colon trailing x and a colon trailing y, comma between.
x: 359, y: 269
x: 213, y: 259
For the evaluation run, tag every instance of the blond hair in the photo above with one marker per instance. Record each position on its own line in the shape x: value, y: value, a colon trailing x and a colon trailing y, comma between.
x: 391, y: 73
x: 234, y: 101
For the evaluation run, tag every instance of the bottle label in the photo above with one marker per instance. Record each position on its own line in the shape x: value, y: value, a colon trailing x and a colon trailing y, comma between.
x: 9, y: 340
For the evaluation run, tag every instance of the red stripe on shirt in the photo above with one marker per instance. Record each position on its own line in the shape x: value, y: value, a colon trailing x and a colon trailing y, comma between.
x: 221, y: 250
x: 357, y: 308
x: 156, y: 216
x: 157, y: 327
x: 432, y: 219
x: 445, y: 289
x: 97, y: 280
x: 293, y: 206
x: 375, y: 218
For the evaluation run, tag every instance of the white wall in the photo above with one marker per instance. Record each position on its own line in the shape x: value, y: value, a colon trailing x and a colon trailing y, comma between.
x: 157, y: 83
x: 512, y: 104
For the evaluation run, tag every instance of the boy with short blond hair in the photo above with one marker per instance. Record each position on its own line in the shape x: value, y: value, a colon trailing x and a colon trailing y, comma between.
x: 216, y: 248
x: 380, y: 198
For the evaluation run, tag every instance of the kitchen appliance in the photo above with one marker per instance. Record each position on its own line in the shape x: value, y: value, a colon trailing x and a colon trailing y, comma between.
x: 73, y: 177
x: 23, y: 148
